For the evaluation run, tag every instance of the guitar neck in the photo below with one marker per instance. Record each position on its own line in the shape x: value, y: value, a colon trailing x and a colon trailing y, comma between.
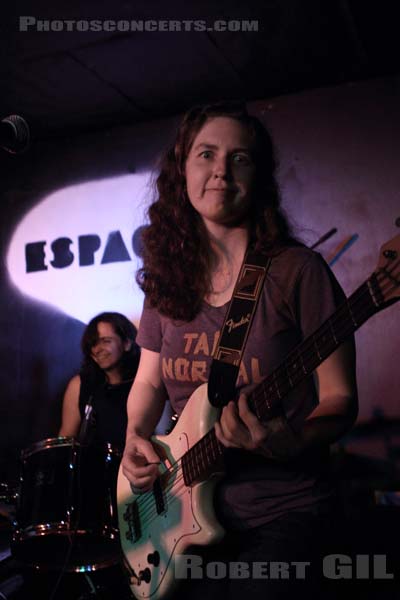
x: 265, y: 400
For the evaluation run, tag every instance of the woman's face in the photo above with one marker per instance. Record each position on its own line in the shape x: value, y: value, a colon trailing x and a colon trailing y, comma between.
x: 109, y: 347
x: 220, y: 172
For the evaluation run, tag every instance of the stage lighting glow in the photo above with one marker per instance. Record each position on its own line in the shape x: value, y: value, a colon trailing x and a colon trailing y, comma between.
x: 77, y: 249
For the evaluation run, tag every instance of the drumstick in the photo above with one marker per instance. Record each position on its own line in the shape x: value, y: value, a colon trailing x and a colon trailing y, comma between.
x: 341, y: 249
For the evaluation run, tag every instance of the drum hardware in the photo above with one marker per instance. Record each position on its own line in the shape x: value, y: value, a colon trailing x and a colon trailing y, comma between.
x: 10, y: 587
x: 8, y: 492
x: 8, y: 502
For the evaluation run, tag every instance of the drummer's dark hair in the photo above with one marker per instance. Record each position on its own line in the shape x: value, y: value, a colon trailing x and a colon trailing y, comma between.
x: 126, y: 331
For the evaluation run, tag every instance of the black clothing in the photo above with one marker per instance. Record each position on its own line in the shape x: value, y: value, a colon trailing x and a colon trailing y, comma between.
x: 109, y: 416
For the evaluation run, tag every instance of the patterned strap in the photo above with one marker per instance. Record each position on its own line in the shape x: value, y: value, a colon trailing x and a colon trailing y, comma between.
x: 236, y: 328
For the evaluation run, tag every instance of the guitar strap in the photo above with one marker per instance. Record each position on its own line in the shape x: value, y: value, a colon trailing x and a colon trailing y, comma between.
x: 236, y: 328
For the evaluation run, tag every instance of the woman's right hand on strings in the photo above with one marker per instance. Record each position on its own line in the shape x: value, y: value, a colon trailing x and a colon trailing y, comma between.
x: 140, y: 464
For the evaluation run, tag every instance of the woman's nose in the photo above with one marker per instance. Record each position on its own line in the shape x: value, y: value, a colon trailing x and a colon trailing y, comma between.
x: 221, y: 168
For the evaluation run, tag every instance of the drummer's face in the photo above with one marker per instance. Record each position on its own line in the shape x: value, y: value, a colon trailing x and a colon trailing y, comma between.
x: 109, y: 347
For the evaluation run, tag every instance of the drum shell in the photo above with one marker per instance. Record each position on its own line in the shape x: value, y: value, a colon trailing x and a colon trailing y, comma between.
x: 67, y: 511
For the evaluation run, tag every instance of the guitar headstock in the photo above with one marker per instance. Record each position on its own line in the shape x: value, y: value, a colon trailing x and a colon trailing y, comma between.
x: 387, y: 273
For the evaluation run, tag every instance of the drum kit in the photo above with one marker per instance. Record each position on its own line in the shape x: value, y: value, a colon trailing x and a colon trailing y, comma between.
x: 64, y: 515
x: 65, y: 507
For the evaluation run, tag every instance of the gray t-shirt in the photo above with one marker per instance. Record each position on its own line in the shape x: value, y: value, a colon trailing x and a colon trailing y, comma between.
x: 300, y: 292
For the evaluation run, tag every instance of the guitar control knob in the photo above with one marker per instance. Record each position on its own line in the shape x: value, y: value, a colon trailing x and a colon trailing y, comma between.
x: 154, y: 558
x: 145, y: 575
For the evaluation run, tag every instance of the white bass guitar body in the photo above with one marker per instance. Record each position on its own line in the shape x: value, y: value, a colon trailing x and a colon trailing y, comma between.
x: 157, y: 527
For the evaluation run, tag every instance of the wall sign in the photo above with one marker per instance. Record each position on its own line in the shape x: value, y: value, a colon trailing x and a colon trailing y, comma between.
x: 78, y: 248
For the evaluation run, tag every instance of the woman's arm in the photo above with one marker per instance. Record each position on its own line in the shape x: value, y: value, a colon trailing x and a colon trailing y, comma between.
x: 71, y: 418
x: 146, y: 401
x: 338, y: 401
x: 333, y: 416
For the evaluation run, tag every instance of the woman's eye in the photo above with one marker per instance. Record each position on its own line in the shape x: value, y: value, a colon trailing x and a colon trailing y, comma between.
x: 241, y: 159
x: 205, y: 154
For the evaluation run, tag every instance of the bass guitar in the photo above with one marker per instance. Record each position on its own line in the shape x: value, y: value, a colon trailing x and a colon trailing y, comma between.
x: 157, y: 527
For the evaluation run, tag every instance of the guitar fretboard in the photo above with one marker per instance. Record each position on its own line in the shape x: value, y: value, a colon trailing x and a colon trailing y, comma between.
x: 265, y: 400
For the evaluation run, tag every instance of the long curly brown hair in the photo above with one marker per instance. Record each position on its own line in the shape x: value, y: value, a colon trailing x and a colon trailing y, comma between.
x: 175, y: 275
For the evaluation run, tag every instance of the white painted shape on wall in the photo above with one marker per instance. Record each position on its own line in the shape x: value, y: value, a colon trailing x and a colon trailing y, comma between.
x: 98, y: 208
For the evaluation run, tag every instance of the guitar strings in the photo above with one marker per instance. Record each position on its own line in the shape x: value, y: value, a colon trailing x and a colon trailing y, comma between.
x: 146, y: 504
x: 178, y: 479
x: 146, y: 501
x: 150, y: 515
x: 176, y: 467
x: 307, y: 348
x: 361, y: 292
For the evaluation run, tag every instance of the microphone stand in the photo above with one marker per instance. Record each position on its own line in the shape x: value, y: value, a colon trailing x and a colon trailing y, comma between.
x: 87, y: 421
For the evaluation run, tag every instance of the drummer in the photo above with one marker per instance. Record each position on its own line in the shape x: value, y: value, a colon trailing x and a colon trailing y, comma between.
x: 93, y: 412
x: 94, y: 403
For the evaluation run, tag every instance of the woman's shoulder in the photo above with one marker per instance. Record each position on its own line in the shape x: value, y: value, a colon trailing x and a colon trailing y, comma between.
x: 297, y: 265
x: 73, y: 389
x: 296, y: 257
x: 75, y: 382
